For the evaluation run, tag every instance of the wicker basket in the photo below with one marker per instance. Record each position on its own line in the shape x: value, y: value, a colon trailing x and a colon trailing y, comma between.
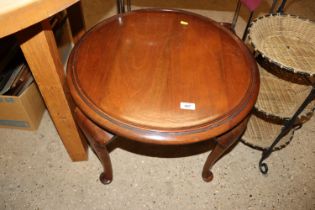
x: 286, y: 44
x: 260, y: 134
x: 278, y: 99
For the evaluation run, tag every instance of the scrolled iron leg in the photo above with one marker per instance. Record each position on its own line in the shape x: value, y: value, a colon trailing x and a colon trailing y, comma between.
x: 290, y: 124
x: 224, y: 142
x: 263, y: 167
x: 98, y: 139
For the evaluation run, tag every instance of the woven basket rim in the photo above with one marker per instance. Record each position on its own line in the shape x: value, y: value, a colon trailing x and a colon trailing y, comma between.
x: 271, y: 60
x: 298, y: 92
x: 249, y: 141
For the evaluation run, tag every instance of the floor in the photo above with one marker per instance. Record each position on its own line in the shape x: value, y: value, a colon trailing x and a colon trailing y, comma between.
x: 36, y: 172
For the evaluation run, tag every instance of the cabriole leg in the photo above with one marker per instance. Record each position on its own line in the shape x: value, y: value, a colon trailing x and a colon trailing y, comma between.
x: 224, y: 142
x: 98, y: 139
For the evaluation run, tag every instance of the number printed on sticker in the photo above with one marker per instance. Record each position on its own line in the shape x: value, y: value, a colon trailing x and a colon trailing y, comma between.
x: 188, y: 105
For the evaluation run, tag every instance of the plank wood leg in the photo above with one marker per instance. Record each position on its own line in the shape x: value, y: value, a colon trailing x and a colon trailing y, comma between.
x: 224, y: 142
x: 39, y: 47
x: 98, y: 139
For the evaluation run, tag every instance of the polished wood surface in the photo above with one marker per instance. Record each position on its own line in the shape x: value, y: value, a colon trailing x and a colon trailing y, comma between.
x: 130, y: 73
x: 98, y: 139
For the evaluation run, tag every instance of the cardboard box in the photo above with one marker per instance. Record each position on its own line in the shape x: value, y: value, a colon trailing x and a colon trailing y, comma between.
x: 22, y: 112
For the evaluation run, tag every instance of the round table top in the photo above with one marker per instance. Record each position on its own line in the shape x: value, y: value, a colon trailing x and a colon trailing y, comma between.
x: 16, y: 15
x: 163, y: 76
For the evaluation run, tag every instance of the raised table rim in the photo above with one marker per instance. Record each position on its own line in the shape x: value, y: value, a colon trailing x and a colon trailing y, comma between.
x: 200, y: 133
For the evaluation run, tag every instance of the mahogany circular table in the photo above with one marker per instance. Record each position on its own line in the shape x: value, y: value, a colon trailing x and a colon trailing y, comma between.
x: 164, y: 77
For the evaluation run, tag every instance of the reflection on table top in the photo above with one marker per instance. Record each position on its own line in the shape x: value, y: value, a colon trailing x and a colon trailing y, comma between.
x: 164, y: 70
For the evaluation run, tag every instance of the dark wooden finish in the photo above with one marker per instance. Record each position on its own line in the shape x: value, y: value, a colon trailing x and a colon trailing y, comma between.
x: 224, y: 142
x: 130, y: 73
x: 98, y: 139
x: 76, y: 20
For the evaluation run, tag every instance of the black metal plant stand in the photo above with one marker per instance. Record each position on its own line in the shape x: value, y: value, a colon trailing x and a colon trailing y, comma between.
x: 291, y: 123
x: 286, y: 128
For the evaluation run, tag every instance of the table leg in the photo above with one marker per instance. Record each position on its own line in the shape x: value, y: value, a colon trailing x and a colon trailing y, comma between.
x: 76, y: 20
x: 288, y: 125
x: 40, y: 50
x: 98, y: 139
x: 224, y: 142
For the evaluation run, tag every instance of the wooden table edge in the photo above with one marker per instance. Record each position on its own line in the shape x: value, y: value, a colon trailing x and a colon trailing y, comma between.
x: 30, y: 24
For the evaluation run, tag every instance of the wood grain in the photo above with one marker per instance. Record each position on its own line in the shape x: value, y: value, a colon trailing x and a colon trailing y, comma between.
x: 16, y: 15
x: 130, y: 73
x: 40, y: 51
